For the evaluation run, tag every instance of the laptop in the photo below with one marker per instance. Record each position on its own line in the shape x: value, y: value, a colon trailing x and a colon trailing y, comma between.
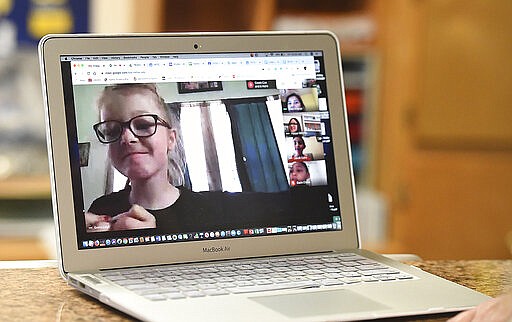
x: 208, y: 176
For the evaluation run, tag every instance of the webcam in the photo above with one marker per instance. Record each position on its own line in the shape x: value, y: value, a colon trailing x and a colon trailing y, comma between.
x: 196, y: 46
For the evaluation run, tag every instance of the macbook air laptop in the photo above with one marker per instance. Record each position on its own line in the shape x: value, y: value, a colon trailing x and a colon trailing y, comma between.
x: 208, y: 176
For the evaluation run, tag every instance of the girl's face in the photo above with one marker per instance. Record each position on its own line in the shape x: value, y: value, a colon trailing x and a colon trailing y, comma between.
x: 298, y: 173
x: 298, y: 145
x: 293, y: 126
x: 294, y: 103
x: 138, y: 158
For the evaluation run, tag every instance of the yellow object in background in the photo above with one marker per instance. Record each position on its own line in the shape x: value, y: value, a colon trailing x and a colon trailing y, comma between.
x: 43, y: 21
x: 5, y: 7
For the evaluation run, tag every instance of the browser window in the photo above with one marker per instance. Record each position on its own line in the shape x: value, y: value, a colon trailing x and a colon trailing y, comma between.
x: 248, y: 150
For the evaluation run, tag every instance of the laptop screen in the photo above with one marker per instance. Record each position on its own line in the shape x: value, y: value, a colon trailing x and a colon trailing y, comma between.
x: 177, y: 148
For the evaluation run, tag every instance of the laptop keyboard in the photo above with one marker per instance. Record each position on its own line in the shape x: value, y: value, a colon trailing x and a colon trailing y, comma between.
x: 256, y: 275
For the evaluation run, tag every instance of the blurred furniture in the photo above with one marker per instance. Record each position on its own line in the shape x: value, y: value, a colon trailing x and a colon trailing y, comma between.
x: 39, y: 293
x: 27, y: 239
x: 26, y: 224
x: 22, y: 248
x: 445, y: 141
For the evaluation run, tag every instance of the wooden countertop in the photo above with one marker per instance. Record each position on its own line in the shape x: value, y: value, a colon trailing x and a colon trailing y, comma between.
x: 40, y: 294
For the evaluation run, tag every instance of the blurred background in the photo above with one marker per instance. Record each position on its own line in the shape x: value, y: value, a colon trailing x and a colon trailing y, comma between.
x: 428, y: 89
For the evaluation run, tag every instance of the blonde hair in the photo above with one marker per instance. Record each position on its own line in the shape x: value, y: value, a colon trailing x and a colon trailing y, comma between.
x: 127, y: 89
x: 176, y: 160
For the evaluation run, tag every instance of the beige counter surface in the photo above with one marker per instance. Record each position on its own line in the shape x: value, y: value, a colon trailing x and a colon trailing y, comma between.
x: 40, y: 294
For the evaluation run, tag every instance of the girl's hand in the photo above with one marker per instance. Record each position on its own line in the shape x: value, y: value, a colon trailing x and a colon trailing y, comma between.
x: 135, y: 218
x: 498, y: 309
x: 96, y: 223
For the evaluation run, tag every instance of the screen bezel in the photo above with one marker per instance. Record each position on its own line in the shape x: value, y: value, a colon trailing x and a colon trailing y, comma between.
x: 52, y: 47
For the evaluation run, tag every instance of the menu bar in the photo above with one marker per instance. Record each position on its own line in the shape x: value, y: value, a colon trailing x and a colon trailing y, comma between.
x: 142, y: 69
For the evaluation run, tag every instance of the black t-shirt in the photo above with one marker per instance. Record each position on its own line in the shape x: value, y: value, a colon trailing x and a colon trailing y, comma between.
x: 215, y: 210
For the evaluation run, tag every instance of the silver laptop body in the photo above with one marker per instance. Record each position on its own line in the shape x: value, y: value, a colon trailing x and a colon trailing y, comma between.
x: 240, y: 202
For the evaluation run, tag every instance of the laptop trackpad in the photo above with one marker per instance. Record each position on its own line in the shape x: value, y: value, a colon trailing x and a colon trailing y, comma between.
x: 319, y: 303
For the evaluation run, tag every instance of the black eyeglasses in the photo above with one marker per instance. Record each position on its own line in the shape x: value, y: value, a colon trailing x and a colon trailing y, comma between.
x: 142, y: 126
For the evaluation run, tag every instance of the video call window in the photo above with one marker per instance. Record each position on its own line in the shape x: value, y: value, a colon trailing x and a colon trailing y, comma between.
x: 234, y: 146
